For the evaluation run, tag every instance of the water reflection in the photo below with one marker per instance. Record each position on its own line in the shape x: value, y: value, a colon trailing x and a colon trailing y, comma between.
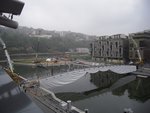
x: 102, y: 80
x: 124, y: 91
x: 104, y: 92
x: 138, y: 89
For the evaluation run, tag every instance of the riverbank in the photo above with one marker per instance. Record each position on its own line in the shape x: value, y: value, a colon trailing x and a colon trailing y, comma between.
x: 42, y: 63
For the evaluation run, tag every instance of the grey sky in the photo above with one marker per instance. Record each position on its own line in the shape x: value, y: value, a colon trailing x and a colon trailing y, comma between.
x: 94, y: 17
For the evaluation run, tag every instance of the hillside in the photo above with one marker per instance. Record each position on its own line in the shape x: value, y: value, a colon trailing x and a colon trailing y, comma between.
x: 30, y: 40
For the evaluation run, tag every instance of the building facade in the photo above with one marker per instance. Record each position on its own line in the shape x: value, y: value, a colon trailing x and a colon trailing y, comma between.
x: 139, y: 46
x: 111, y: 47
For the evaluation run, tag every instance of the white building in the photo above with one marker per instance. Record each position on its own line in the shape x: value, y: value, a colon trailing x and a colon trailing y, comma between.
x: 82, y: 50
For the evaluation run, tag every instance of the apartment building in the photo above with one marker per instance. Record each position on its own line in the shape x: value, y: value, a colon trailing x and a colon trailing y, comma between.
x: 111, y: 47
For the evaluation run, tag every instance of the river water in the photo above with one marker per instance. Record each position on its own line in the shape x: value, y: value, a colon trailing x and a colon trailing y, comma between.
x: 102, y: 92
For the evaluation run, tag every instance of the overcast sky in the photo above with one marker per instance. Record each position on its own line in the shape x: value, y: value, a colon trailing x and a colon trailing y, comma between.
x: 93, y: 17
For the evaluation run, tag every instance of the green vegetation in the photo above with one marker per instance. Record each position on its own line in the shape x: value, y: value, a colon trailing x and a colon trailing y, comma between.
x: 20, y: 41
x: 80, y: 56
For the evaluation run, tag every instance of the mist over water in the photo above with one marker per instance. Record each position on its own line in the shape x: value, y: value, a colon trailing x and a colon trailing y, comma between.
x: 7, y: 55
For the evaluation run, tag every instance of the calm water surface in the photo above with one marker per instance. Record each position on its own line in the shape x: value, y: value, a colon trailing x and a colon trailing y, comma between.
x: 102, y: 92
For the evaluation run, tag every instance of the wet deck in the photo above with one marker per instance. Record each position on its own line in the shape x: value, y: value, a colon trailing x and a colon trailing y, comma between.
x: 14, y: 100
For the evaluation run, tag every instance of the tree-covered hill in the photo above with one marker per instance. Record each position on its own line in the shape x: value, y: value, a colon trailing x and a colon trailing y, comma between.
x: 30, y: 40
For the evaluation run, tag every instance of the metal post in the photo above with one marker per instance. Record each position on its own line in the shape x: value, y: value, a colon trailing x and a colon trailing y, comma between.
x: 69, y: 105
x: 86, y: 110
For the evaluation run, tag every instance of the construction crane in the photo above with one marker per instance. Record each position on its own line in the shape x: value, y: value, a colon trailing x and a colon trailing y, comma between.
x: 140, y: 62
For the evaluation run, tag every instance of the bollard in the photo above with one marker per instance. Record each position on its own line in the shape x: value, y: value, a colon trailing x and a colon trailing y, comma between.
x: 86, y: 110
x: 69, y: 105
x: 128, y: 110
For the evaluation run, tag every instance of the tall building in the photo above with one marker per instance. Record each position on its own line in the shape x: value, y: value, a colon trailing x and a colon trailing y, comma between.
x: 111, y: 47
x: 139, y: 46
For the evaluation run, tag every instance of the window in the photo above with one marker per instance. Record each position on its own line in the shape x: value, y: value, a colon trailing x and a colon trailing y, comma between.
x: 111, y: 45
x: 116, y: 43
x: 142, y: 43
x: 116, y: 53
x: 120, y: 50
